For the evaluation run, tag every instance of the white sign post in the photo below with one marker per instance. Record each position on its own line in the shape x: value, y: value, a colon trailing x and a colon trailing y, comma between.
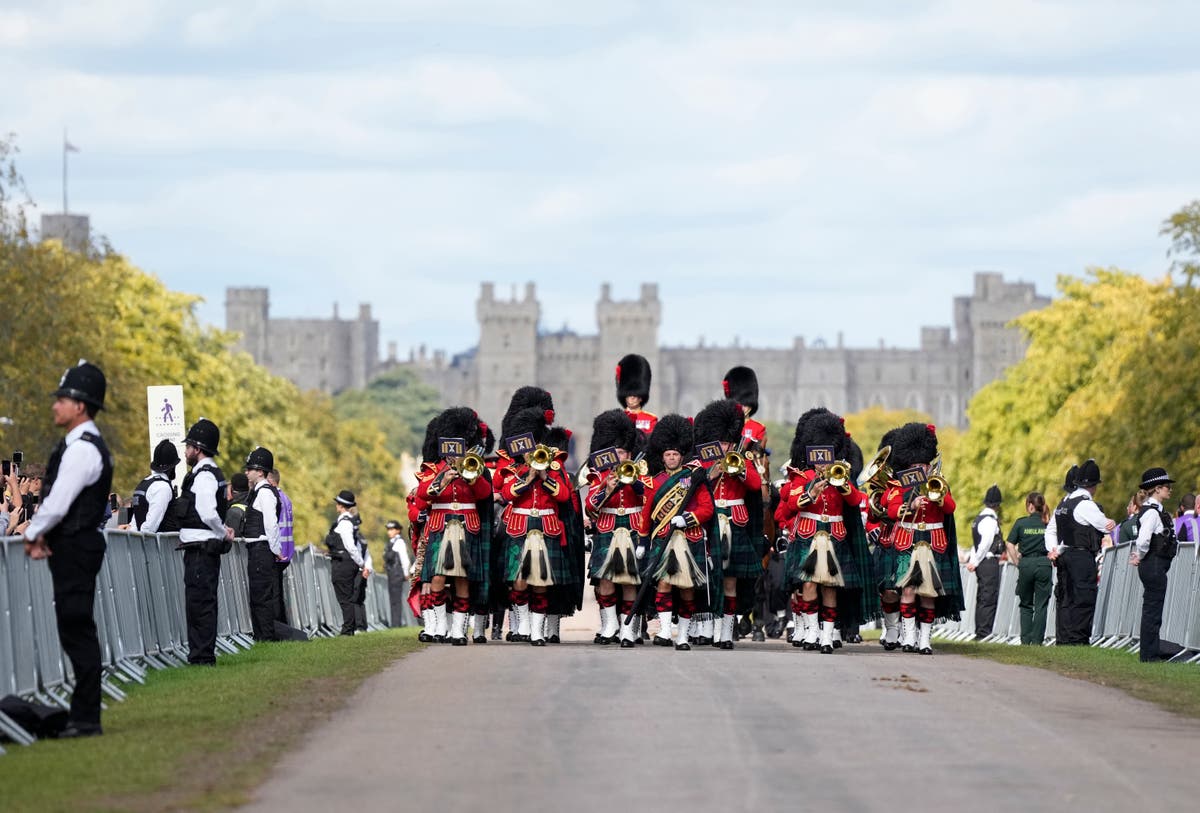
x: 164, y: 408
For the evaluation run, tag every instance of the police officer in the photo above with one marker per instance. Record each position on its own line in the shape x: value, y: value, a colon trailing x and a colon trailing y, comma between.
x: 261, y: 532
x: 985, y: 561
x: 1152, y: 554
x: 153, y: 496
x: 1072, y: 541
x: 347, y: 565
x: 66, y: 529
x: 204, y: 537
x: 397, y: 560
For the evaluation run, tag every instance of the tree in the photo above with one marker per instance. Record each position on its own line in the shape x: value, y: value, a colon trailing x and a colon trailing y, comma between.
x: 1183, y: 228
x: 398, y: 402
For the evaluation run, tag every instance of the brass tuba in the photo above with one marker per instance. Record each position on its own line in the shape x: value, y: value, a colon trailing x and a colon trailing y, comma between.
x: 874, y: 479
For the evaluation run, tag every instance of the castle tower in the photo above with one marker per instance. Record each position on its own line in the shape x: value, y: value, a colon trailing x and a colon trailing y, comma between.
x: 994, y: 303
x: 628, y: 327
x: 507, y: 354
x: 247, y: 311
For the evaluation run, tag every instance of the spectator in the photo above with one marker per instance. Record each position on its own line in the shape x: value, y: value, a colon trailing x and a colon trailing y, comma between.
x: 985, y: 561
x: 1127, y: 530
x: 1153, y: 551
x: 1187, y: 529
x: 1026, y: 547
x: 287, y: 542
x: 10, y: 505
x: 397, y: 561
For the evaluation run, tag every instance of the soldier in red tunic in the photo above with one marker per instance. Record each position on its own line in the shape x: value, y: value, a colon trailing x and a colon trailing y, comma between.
x: 736, y: 546
x: 633, y: 391
x: 458, y: 532
x: 677, y: 510
x: 614, y: 504
x: 924, y: 540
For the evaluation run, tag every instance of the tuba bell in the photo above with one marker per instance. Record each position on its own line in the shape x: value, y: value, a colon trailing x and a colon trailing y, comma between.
x: 874, y: 479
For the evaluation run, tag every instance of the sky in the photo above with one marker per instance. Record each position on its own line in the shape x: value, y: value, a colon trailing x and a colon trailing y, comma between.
x: 780, y: 169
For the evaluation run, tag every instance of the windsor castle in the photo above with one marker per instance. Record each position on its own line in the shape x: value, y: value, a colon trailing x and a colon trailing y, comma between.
x: 937, y: 378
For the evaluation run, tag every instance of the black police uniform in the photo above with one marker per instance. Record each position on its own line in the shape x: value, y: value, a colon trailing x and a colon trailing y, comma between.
x: 1077, y: 573
x: 201, y: 564
x: 987, y: 577
x: 345, y: 573
x: 261, y: 575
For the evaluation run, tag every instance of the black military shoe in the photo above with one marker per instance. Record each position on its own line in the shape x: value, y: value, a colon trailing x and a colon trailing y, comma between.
x: 664, y: 641
x: 538, y: 642
x: 424, y: 637
x: 458, y: 641
x: 726, y: 645
x: 827, y: 650
x: 926, y: 651
x: 479, y: 639
x: 758, y: 636
x: 554, y: 639
x: 627, y: 644
x: 76, y: 730
x: 684, y: 647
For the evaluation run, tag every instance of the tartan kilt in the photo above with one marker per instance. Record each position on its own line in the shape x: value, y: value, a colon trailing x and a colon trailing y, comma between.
x: 600, y: 543
x: 556, y: 553
x: 472, y: 544
x: 745, y: 554
x: 885, y: 567
x: 951, y: 604
x: 853, y: 562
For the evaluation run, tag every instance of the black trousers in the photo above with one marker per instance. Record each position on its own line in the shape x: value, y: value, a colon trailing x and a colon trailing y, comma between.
x: 987, y: 593
x: 73, y: 567
x: 1153, y: 573
x: 263, y: 589
x: 1077, y: 604
x: 201, y: 580
x: 281, y: 611
x: 345, y: 574
x: 360, y: 603
x: 398, y: 598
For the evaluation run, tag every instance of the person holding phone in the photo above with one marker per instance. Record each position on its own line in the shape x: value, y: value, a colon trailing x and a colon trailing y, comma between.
x: 66, y: 531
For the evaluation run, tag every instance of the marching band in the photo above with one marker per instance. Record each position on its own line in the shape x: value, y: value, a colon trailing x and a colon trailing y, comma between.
x: 677, y: 518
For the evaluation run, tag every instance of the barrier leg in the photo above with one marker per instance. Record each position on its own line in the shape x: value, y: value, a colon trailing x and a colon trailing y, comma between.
x: 15, y: 732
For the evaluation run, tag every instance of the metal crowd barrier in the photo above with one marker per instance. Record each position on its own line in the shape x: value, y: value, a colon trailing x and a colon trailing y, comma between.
x: 140, y: 616
x: 1118, y: 605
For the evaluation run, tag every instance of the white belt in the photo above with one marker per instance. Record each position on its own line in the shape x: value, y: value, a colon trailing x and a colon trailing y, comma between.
x: 729, y: 503
x: 821, y: 517
x: 534, y: 512
x: 622, y: 511
x: 921, y: 526
x: 453, y: 506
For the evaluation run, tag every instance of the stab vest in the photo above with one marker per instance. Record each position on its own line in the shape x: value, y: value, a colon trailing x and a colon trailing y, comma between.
x: 87, y: 511
x: 1162, y: 543
x: 140, y: 505
x: 997, y: 543
x: 1071, y: 533
x: 253, y: 526
x: 185, y: 504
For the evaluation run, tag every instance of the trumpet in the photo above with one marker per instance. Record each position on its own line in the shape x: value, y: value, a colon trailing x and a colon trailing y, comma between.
x: 838, y: 474
x: 540, y: 458
x: 470, y: 465
x: 734, y: 463
x: 629, y: 470
x: 935, y: 486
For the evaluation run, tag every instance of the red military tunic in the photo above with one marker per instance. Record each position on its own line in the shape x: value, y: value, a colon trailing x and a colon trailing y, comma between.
x: 541, y: 496
x: 457, y: 497
x: 755, y: 432
x: 930, y: 518
x: 800, y: 516
x: 729, y: 491
x: 697, y: 512
x: 643, y: 420
x: 625, y: 501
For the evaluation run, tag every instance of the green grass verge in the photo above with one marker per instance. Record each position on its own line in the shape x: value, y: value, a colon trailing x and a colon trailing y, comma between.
x: 1174, y: 686
x: 195, y: 738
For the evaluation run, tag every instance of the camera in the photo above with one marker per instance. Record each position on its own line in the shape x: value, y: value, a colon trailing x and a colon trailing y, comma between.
x: 6, y: 468
x: 18, y: 457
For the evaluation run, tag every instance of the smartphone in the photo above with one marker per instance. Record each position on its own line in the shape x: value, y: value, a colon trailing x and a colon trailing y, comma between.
x: 18, y: 457
x: 123, y: 516
x: 6, y: 467
x: 112, y: 502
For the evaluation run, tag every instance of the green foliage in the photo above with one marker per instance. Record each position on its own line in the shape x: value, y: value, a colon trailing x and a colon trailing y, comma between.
x: 1183, y: 228
x: 398, y: 402
x: 1109, y: 374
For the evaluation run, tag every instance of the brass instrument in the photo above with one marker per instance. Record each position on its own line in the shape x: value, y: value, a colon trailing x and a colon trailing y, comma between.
x: 935, y: 486
x: 838, y: 474
x: 470, y: 465
x: 874, y: 479
x: 540, y: 458
x: 627, y: 471
x: 734, y: 463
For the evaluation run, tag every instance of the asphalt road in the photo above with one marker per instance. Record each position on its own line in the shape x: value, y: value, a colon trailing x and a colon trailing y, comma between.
x: 579, y: 727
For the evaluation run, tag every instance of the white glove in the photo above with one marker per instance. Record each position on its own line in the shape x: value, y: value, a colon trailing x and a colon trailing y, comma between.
x: 640, y: 551
x: 678, y: 522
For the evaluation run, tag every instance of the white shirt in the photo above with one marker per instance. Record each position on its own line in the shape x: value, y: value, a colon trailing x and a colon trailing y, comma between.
x: 401, y: 549
x: 989, y: 529
x: 1149, y: 525
x: 368, y: 562
x: 204, y: 487
x: 80, y: 467
x: 345, y: 529
x: 1085, y: 513
x: 267, y: 503
x: 158, y: 497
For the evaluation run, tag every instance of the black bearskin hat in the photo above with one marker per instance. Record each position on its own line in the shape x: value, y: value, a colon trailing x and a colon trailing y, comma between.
x: 633, y: 378
x: 429, y: 446
x: 558, y: 437
x: 719, y: 420
x: 741, y: 384
x: 993, y: 497
x: 455, y: 422
x: 614, y: 428
x: 818, y: 427
x: 527, y: 398
x: 911, y: 444
x: 489, y: 438
x: 671, y: 432
x: 531, y: 419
